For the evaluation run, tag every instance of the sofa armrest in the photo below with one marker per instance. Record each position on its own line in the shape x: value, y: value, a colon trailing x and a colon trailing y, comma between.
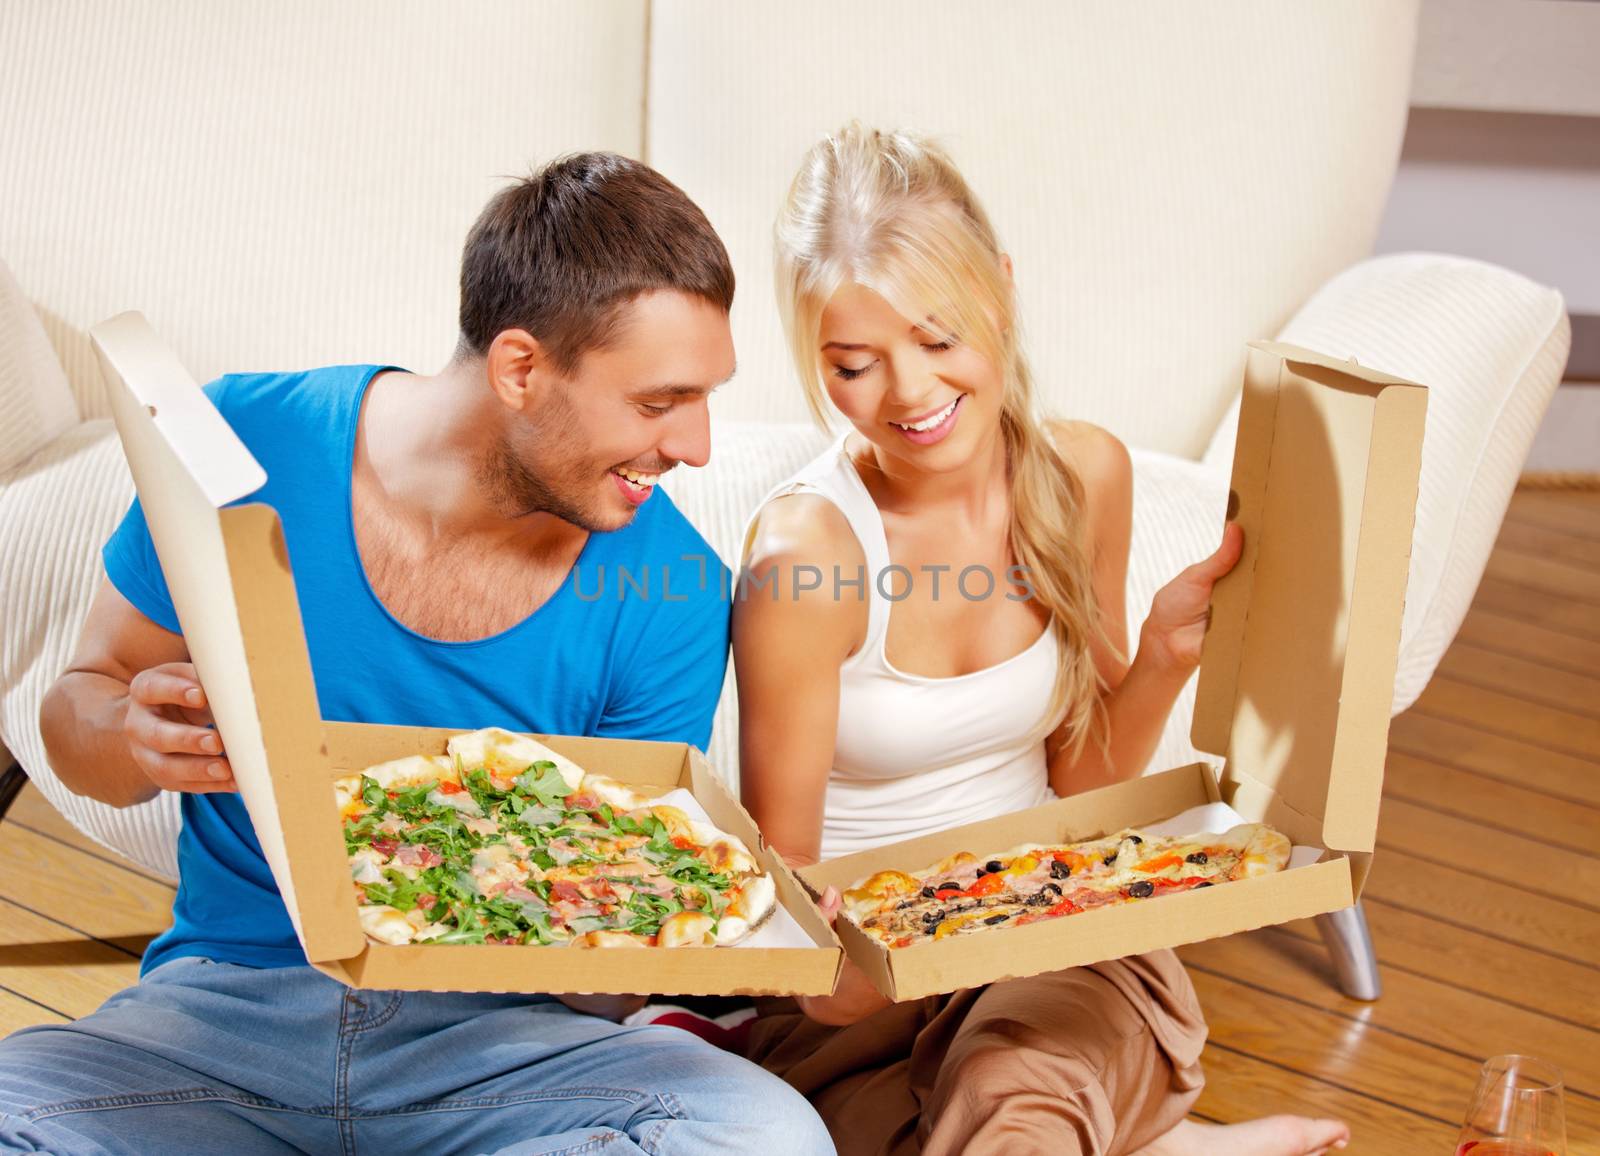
x: 56, y: 510
x: 1490, y: 345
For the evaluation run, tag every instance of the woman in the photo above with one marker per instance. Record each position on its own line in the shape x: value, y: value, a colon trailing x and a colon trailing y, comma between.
x: 977, y: 669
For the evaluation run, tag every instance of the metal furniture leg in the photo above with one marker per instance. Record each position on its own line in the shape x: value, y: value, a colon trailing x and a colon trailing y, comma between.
x: 1350, y: 945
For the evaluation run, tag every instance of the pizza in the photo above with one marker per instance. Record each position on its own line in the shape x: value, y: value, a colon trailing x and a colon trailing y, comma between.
x: 964, y: 894
x: 502, y: 840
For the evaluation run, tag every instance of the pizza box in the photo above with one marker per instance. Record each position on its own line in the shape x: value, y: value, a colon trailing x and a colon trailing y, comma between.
x: 1296, y: 680
x: 228, y: 570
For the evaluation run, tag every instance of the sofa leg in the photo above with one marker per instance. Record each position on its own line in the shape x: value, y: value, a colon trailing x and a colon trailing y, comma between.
x: 12, y: 780
x: 1350, y: 944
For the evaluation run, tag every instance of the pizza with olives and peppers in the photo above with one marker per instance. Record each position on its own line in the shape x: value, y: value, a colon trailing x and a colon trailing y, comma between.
x: 966, y: 894
x: 503, y: 841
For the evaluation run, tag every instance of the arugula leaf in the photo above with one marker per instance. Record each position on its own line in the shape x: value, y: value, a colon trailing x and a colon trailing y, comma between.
x: 544, y: 782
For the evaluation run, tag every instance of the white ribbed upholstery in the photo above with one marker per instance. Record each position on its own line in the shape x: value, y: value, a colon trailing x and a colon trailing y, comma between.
x: 285, y: 186
x: 55, y: 514
x: 35, y: 404
x: 1490, y: 345
x: 1172, y: 180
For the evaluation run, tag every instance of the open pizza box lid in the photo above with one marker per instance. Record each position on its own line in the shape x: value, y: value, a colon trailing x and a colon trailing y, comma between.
x: 1297, y: 674
x: 227, y: 567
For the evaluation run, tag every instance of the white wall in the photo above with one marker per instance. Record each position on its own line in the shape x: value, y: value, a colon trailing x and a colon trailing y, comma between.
x: 1523, y: 191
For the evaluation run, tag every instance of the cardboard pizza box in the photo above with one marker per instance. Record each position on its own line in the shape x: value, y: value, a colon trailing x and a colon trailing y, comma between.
x: 228, y: 570
x: 1296, y: 681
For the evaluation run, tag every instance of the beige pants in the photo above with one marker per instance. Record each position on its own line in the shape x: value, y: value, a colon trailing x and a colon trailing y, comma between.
x: 1098, y: 1060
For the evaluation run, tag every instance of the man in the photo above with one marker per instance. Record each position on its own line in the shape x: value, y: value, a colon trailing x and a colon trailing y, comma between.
x: 438, y: 529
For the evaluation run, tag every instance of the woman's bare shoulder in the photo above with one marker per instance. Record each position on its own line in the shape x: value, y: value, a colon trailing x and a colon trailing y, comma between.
x: 802, y: 529
x: 1097, y: 454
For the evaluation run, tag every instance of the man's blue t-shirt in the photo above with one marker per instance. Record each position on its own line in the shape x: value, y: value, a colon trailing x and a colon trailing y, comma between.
x: 602, y: 656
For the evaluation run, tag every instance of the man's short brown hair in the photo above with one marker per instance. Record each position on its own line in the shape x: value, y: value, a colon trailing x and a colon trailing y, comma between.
x: 561, y: 254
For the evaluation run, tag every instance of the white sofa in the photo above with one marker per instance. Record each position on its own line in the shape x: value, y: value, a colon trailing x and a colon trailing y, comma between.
x: 289, y: 190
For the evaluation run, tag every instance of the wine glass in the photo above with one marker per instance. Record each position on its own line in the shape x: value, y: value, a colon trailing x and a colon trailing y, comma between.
x: 1515, y: 1111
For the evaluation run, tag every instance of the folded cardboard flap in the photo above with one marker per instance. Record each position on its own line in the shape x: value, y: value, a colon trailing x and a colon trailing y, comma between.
x: 1298, y: 670
x: 186, y: 462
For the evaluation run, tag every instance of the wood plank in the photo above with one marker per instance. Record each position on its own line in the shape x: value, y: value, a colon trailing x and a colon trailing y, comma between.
x: 1545, y: 575
x: 1240, y: 1087
x: 1543, y: 542
x: 1350, y: 1053
x: 31, y: 809
x: 1421, y: 1008
x: 89, y: 894
x: 1460, y: 744
x: 1577, y: 514
x: 1541, y: 868
x: 1530, y: 722
x: 1491, y: 802
x: 1522, y: 678
x: 1518, y: 976
x: 17, y: 1013
x: 1497, y: 909
x: 1506, y: 635
x: 1578, y: 618
x: 56, y: 965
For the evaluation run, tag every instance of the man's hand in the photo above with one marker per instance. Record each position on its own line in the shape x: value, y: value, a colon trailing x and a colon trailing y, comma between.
x: 168, y: 728
x: 1176, y: 627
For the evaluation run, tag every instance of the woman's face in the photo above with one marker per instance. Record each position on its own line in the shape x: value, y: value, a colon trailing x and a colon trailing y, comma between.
x: 925, y: 402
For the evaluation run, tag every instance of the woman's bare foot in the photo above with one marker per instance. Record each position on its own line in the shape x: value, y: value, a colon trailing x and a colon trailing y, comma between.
x: 1268, y: 1136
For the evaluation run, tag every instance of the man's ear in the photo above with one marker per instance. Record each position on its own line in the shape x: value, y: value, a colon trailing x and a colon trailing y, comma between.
x: 518, y: 369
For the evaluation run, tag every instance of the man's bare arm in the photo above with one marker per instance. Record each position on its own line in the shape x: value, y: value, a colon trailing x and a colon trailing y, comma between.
x: 129, y: 718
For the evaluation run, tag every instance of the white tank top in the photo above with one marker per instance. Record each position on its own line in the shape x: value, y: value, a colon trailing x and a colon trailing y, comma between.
x: 915, y: 754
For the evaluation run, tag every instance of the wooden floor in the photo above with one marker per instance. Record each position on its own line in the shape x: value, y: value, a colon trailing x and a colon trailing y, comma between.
x: 1495, y: 772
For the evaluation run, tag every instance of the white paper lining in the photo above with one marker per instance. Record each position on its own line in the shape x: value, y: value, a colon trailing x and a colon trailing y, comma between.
x: 1216, y: 818
x: 781, y: 929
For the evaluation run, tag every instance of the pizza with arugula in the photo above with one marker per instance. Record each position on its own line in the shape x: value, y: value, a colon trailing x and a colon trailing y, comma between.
x: 502, y: 840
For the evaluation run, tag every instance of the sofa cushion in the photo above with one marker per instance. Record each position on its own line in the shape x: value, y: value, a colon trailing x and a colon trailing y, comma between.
x: 55, y: 514
x: 34, y: 398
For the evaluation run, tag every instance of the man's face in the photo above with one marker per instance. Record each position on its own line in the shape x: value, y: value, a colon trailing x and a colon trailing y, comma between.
x: 592, y: 446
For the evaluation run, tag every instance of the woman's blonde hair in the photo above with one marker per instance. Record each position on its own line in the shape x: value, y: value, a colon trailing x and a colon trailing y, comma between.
x: 889, y: 211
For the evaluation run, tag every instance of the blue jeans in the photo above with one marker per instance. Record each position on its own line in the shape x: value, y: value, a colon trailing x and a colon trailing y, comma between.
x: 204, y: 1057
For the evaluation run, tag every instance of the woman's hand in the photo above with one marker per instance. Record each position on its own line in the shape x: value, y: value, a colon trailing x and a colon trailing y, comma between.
x: 1176, y: 627
x: 854, y: 998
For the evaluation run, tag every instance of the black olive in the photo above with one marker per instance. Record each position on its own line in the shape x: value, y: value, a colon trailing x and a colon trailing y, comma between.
x: 1110, y: 859
x: 1059, y: 870
x: 997, y: 918
x: 1051, y: 889
x: 948, y: 885
x: 927, y: 893
x: 1197, y: 857
x: 933, y: 918
x: 1142, y: 889
x: 1207, y: 883
x: 1135, y: 839
x: 1039, y: 899
x: 992, y: 866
